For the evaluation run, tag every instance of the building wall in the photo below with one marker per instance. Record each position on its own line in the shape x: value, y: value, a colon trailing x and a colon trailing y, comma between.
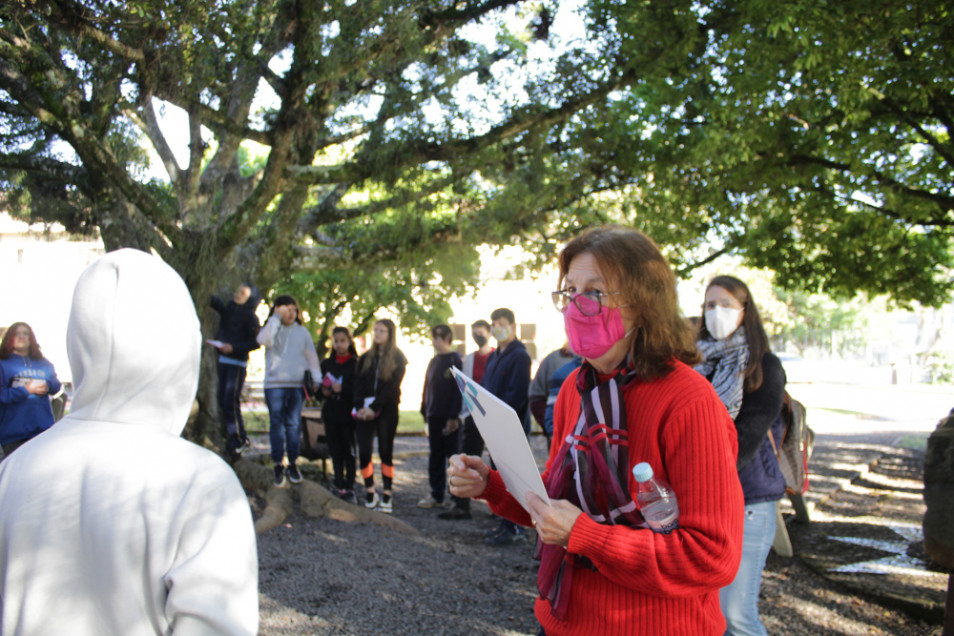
x: 40, y: 267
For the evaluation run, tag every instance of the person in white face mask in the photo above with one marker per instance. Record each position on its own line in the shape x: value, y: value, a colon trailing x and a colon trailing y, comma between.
x: 750, y: 381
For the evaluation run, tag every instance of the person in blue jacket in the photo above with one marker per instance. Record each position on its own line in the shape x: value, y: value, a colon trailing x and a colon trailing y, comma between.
x: 235, y: 338
x: 507, y: 376
x: 27, y: 380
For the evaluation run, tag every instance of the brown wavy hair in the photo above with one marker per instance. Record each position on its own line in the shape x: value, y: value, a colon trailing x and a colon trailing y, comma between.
x: 6, y: 346
x: 632, y: 262
x: 752, y: 322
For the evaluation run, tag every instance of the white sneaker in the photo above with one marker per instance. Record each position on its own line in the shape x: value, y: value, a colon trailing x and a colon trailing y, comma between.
x: 429, y: 502
x: 371, y: 499
x: 385, y: 506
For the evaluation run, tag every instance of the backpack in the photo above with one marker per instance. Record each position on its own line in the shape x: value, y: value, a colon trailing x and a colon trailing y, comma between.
x: 796, y: 445
x: 314, y: 442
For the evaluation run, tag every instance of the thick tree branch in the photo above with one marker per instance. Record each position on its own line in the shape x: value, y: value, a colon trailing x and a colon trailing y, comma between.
x: 95, y: 155
x: 149, y: 124
x: 462, y: 13
x: 946, y: 203
x: 71, y: 17
x: 685, y: 270
x: 880, y: 209
x: 323, y: 213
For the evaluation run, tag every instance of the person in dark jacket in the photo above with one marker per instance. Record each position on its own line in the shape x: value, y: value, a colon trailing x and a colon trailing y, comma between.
x: 27, y: 380
x: 507, y: 376
x: 551, y: 373
x: 440, y: 407
x: 235, y: 338
x: 377, y: 394
x: 337, y: 387
x: 750, y: 381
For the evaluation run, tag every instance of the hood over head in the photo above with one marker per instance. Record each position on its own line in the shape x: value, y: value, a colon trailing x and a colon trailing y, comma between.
x: 134, y: 360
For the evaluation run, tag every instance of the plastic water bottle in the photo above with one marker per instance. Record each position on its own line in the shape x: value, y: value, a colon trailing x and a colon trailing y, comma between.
x: 656, y: 500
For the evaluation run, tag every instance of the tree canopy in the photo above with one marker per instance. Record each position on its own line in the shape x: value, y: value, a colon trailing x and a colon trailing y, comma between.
x: 812, y: 138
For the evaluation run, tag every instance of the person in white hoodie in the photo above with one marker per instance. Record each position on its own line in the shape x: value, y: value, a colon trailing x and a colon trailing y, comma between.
x: 110, y: 522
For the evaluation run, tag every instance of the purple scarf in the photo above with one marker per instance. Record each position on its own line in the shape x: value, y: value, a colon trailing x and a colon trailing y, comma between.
x: 592, y: 474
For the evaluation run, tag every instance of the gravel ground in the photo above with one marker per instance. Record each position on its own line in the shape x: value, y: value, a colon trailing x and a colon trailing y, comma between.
x: 319, y: 576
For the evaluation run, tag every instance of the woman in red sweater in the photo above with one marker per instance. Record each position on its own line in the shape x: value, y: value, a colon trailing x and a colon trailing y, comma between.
x: 602, y: 570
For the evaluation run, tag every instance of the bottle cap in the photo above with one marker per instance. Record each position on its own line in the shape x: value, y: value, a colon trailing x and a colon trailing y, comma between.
x: 642, y: 472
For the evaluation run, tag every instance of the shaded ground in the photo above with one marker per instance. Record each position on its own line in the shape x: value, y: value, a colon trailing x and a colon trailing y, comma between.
x: 867, y: 537
x: 322, y: 576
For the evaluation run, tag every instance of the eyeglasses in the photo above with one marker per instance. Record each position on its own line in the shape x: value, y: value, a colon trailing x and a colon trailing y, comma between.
x: 589, y: 303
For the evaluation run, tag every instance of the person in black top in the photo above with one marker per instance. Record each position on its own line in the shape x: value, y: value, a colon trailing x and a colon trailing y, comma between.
x: 440, y: 407
x: 235, y: 338
x: 750, y: 382
x: 377, y: 393
x: 337, y: 387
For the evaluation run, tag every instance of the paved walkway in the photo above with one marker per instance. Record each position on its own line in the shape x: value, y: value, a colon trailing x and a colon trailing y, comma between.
x: 865, y: 500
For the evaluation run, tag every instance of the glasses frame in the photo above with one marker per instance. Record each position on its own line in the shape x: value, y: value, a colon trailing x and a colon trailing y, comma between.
x: 562, y: 299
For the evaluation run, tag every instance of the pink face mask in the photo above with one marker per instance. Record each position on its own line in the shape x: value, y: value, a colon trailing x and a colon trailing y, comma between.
x: 592, y: 336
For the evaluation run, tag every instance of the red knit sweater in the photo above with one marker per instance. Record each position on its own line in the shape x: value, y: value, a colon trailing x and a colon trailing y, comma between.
x: 648, y: 583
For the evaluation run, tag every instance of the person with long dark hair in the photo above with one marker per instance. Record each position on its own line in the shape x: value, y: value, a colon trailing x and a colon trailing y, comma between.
x: 750, y: 381
x: 289, y: 352
x: 27, y: 380
x: 337, y: 387
x: 377, y: 393
x: 635, y: 399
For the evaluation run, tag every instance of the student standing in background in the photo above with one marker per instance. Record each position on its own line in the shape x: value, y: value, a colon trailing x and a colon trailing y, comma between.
x: 27, y: 380
x: 289, y: 352
x: 750, y: 381
x: 440, y: 406
x: 337, y: 387
x: 508, y: 377
x: 377, y: 394
x: 235, y: 338
x: 471, y: 442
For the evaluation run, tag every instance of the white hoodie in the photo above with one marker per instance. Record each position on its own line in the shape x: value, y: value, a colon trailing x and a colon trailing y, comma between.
x: 110, y: 522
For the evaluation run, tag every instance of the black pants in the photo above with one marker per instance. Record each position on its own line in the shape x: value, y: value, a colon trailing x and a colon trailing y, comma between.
x: 442, y: 447
x: 385, y: 428
x: 471, y: 441
x: 339, y: 429
x: 231, y: 381
x: 526, y: 431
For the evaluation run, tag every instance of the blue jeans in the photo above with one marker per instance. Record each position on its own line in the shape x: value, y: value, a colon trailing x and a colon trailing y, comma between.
x: 740, y: 600
x: 284, y: 422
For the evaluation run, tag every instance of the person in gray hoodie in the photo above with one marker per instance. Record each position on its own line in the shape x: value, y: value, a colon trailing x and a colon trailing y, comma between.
x: 110, y: 522
x: 289, y: 352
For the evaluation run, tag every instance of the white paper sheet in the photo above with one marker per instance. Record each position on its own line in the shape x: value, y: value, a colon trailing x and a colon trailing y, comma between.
x: 500, y: 427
